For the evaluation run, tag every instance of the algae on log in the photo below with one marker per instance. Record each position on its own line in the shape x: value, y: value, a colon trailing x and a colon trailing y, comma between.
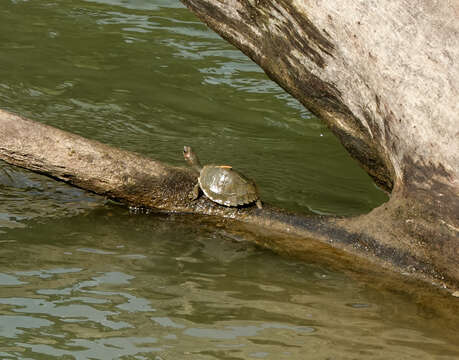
x: 384, y: 77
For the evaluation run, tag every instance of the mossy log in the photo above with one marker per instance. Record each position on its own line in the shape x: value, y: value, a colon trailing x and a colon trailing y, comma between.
x: 142, y: 182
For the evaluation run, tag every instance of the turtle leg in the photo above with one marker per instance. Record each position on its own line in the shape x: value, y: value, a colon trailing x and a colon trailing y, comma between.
x: 259, y: 204
x: 195, y: 193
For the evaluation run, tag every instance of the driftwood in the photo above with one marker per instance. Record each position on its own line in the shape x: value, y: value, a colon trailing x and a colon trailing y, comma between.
x: 139, y: 181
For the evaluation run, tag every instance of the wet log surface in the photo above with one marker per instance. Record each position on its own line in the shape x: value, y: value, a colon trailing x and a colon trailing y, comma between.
x: 142, y: 182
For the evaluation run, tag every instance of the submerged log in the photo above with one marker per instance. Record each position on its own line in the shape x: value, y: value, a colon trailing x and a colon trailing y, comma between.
x: 142, y: 182
x: 384, y: 77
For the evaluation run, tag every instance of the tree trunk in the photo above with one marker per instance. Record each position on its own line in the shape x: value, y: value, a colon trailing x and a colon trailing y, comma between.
x: 384, y: 77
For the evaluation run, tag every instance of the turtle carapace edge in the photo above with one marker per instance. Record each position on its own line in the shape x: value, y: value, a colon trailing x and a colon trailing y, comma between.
x: 221, y: 183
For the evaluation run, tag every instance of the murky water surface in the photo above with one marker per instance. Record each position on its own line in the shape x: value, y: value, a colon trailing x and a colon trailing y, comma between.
x: 82, y: 278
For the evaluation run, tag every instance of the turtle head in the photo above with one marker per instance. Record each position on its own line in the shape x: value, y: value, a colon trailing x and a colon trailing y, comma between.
x: 191, y: 158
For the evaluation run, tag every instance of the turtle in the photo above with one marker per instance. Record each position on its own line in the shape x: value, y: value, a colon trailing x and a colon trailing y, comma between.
x: 221, y: 183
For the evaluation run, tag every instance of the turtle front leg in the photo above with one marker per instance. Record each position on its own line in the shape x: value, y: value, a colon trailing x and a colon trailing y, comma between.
x: 195, y: 193
x: 259, y: 205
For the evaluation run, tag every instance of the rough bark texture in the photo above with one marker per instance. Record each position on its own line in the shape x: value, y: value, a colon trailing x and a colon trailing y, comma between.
x: 381, y: 75
x: 385, y: 78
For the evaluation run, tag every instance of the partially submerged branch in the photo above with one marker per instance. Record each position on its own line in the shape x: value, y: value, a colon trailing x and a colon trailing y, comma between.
x: 139, y: 181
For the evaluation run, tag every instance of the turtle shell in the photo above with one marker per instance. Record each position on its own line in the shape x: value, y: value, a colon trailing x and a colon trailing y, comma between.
x: 226, y: 186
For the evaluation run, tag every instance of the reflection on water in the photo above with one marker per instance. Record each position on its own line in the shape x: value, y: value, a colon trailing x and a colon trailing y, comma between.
x: 108, y: 284
x: 24, y: 196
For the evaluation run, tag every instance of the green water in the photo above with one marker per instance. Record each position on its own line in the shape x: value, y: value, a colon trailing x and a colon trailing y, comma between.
x: 83, y: 278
